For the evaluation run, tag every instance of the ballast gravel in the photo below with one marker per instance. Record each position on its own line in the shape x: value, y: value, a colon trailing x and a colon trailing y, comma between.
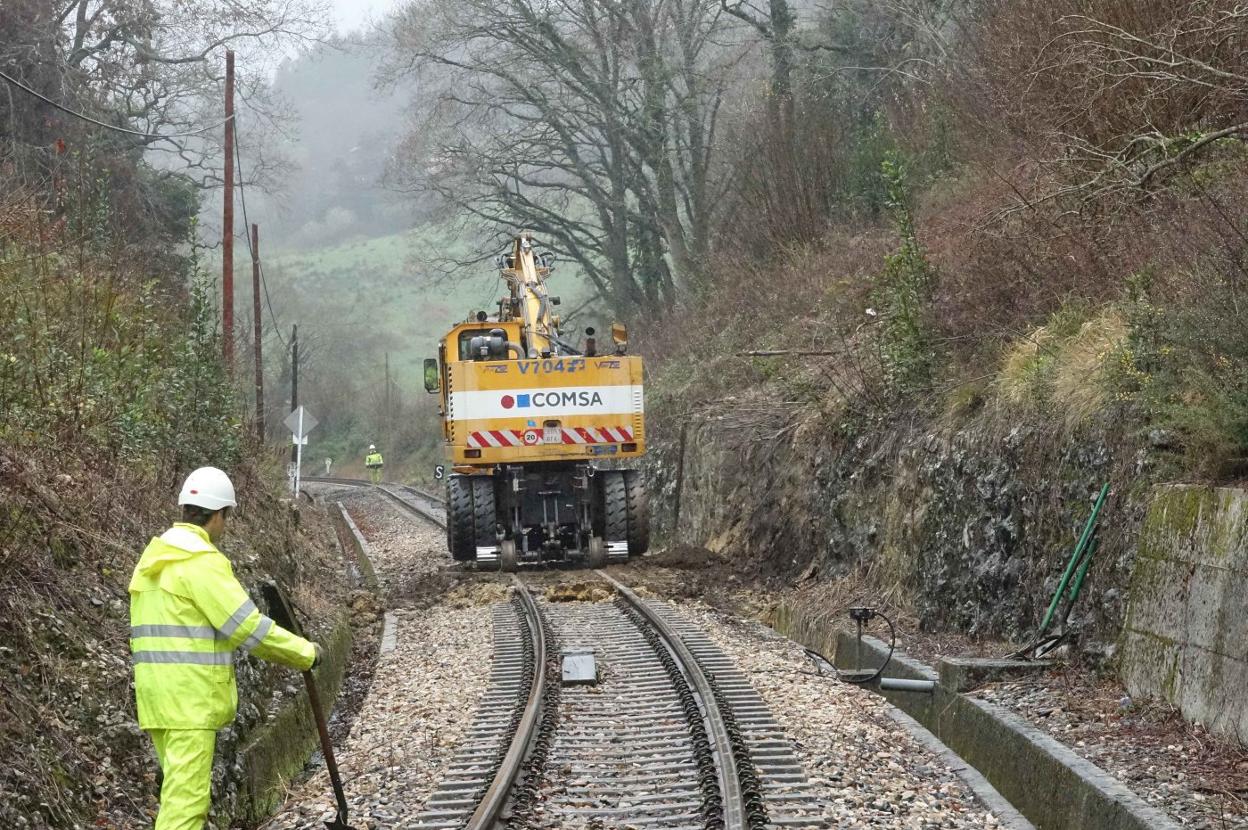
x: 423, y: 692
x: 869, y: 771
x: 421, y: 702
x: 403, y: 550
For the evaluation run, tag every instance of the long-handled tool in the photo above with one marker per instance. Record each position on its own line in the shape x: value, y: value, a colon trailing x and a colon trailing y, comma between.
x: 1068, y: 589
x: 281, y: 613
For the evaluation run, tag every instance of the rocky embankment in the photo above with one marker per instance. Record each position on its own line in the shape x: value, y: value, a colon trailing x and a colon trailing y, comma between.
x: 968, y: 528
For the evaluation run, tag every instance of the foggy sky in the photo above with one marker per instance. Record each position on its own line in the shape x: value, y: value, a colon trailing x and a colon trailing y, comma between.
x: 352, y: 14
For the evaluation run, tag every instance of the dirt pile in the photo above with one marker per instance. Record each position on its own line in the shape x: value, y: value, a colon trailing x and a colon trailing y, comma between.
x: 579, y: 592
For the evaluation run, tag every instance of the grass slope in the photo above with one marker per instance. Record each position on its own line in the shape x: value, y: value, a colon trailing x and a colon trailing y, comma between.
x: 392, y: 288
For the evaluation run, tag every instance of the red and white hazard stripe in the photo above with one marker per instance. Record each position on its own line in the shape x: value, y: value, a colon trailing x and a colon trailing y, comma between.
x: 495, y: 438
x: 596, y: 435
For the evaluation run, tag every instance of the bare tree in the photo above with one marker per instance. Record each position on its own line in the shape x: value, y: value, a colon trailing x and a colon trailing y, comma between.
x: 153, y: 67
x: 592, y: 123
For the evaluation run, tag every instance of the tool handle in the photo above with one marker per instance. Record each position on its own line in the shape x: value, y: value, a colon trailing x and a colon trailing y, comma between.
x: 327, y: 746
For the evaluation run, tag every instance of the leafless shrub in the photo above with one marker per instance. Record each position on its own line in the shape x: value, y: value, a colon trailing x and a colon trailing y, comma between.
x: 1116, y: 96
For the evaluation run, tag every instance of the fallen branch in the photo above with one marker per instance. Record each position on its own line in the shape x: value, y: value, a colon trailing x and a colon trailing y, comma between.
x: 784, y: 352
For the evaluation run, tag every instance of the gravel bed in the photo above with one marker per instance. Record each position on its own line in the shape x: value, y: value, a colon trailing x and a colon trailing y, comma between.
x: 1200, y: 780
x: 405, y: 551
x: 419, y: 707
x: 421, y: 698
x: 858, y: 759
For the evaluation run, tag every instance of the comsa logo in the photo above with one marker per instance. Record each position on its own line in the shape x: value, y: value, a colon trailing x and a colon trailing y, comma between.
x: 551, y: 399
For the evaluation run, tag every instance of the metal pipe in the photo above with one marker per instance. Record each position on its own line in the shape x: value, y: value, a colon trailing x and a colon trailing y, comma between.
x: 901, y: 684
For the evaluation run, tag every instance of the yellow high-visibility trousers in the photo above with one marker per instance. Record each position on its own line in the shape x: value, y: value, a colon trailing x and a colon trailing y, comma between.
x: 186, y: 761
x: 374, y: 474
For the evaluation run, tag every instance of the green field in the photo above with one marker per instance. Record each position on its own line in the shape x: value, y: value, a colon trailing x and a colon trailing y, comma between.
x: 395, y: 292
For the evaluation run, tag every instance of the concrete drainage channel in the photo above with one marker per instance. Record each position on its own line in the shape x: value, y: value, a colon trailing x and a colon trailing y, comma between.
x: 1048, y: 783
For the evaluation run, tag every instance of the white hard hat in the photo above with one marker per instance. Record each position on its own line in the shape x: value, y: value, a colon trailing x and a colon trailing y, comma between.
x: 209, y: 488
x: 372, y: 446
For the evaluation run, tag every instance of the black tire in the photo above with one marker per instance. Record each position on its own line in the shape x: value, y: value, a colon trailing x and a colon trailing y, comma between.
x: 460, y: 530
x: 483, y: 512
x: 638, y: 513
x: 614, y: 506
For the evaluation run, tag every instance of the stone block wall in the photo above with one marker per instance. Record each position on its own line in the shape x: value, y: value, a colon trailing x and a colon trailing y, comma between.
x: 1186, y: 634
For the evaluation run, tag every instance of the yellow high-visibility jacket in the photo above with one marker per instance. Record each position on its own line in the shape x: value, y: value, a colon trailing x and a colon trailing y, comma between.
x: 373, y: 459
x: 188, y: 614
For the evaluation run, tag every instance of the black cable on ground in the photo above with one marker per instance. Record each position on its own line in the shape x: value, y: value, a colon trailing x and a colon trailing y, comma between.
x: 892, y: 645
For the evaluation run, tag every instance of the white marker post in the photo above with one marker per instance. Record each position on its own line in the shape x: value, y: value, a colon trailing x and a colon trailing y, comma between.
x: 300, y: 423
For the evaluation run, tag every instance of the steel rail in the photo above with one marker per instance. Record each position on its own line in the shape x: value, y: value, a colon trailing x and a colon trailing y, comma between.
x: 382, y: 488
x: 489, y: 811
x: 360, y: 482
x: 734, y: 806
x: 440, y: 521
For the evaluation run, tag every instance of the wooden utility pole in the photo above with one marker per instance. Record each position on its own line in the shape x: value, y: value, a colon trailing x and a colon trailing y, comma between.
x: 680, y: 480
x: 255, y: 305
x: 227, y: 223
x: 294, y: 381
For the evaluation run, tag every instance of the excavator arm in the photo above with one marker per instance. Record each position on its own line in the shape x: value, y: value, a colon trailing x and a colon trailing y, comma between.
x: 529, y: 297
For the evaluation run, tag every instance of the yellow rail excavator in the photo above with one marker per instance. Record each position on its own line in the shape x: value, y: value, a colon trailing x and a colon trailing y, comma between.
x: 536, y: 430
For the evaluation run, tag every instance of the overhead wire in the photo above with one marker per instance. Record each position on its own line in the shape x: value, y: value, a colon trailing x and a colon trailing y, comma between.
x: 15, y: 82
x: 189, y: 134
x: 242, y: 197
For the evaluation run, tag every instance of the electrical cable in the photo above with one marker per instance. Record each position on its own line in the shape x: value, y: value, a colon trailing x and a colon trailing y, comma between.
x: 892, y: 644
x: 242, y: 198
x: 15, y: 82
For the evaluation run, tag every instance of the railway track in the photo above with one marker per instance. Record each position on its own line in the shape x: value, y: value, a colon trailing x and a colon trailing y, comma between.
x: 413, y: 499
x: 670, y: 735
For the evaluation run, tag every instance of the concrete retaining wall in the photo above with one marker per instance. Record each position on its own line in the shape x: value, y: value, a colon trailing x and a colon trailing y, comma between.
x: 1186, y: 633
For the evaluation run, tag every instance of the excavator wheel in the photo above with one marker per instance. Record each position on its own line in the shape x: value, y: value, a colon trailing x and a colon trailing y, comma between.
x: 597, y: 553
x: 507, y: 556
x: 484, y: 521
x: 460, y: 529
x: 614, y: 506
x: 638, y: 509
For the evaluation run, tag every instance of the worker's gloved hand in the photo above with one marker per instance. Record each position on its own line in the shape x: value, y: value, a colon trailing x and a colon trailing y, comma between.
x: 316, y: 661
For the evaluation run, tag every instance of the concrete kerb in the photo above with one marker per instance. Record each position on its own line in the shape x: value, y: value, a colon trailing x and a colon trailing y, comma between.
x: 279, y: 750
x: 1009, y: 817
x: 1046, y: 781
x: 389, y: 633
x: 363, y: 553
x: 350, y: 535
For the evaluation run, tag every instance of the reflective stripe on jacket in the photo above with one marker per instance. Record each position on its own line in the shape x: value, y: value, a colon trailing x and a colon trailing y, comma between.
x: 187, y: 616
x: 373, y: 459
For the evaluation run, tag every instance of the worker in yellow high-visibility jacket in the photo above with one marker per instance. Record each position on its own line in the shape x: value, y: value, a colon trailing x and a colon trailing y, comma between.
x: 188, y: 615
x: 374, y: 463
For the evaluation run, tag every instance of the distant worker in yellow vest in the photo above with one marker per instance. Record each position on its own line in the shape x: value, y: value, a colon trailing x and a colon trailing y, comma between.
x: 188, y: 615
x: 374, y: 463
